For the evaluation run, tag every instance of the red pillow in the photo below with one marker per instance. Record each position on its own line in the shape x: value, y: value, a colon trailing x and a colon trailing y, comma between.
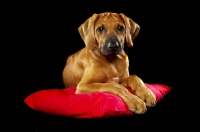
x: 65, y: 102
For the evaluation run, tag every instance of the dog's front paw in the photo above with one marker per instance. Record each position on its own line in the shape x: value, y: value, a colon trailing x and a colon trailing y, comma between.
x: 146, y: 95
x: 136, y: 105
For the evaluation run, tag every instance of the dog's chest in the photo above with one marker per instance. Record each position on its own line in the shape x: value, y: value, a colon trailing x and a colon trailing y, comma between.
x: 114, y: 72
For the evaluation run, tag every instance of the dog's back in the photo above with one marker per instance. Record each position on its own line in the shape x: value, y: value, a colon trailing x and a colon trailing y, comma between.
x: 74, y: 69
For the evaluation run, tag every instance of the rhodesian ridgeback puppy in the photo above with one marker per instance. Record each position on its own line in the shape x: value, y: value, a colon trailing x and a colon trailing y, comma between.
x: 102, y: 66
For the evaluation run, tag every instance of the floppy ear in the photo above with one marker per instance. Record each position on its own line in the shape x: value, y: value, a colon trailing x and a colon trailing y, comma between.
x: 86, y: 31
x: 132, y: 29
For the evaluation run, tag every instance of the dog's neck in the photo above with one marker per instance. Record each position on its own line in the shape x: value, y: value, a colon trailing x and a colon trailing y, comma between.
x: 111, y: 57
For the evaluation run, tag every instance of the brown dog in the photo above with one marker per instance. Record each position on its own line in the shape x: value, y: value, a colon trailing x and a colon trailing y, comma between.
x: 103, y: 65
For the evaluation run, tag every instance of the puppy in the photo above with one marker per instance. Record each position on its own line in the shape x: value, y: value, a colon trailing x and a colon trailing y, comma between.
x: 102, y: 65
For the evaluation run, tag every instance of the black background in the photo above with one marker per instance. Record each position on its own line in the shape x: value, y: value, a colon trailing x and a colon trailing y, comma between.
x: 46, y: 33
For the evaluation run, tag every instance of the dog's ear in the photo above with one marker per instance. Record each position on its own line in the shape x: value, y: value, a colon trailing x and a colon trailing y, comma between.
x: 132, y: 29
x: 86, y: 31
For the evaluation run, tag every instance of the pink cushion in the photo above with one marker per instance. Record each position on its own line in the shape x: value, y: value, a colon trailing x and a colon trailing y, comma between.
x: 96, y: 105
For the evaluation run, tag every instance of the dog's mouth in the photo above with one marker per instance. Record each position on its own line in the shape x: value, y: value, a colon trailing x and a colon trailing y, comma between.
x: 111, y: 46
x: 108, y: 51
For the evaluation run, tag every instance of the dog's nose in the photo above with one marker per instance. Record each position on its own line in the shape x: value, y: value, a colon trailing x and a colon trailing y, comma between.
x: 113, y: 46
x: 113, y: 43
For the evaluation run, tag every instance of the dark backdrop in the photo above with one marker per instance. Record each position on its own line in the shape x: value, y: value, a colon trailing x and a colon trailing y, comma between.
x: 48, y: 32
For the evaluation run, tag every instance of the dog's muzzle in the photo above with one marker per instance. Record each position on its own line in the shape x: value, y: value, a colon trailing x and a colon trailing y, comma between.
x: 112, y: 46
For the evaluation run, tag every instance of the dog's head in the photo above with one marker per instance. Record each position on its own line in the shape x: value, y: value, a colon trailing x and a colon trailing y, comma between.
x: 108, y: 32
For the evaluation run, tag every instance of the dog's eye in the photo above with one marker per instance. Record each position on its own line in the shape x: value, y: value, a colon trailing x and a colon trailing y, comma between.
x: 120, y: 28
x: 100, y: 29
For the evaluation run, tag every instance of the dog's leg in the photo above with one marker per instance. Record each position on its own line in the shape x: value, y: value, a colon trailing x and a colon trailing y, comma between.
x: 138, y: 87
x: 134, y: 103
